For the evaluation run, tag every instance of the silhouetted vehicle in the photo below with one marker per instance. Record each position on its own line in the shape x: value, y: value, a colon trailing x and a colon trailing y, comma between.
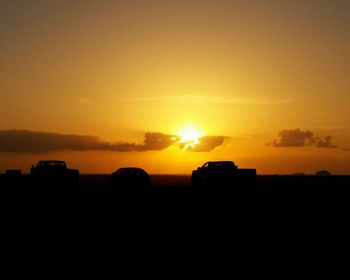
x: 53, y: 171
x: 13, y: 176
x: 323, y: 173
x: 130, y: 179
x: 299, y: 174
x: 214, y: 173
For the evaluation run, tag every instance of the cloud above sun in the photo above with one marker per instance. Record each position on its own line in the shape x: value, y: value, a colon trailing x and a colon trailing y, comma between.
x: 25, y: 141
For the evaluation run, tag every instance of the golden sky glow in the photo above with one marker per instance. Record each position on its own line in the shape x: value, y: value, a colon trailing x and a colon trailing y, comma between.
x: 245, y: 75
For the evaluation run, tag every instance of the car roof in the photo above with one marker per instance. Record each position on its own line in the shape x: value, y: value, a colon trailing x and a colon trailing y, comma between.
x: 222, y: 161
x: 128, y: 168
x: 226, y: 162
x: 59, y: 161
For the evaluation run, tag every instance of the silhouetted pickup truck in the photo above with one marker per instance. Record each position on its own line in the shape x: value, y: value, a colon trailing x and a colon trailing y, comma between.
x: 54, y: 171
x: 215, y: 173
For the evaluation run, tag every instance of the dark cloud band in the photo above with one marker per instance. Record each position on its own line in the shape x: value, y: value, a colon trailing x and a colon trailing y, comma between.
x: 24, y: 141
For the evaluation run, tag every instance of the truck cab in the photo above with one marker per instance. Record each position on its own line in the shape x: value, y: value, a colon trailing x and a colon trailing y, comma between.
x: 49, y: 165
x: 53, y: 171
x: 221, y: 173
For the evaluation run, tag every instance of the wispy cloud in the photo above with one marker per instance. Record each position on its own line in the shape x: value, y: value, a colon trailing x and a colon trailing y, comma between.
x: 85, y: 100
x: 210, y: 99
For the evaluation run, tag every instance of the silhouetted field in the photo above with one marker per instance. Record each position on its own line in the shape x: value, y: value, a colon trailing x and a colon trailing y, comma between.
x: 173, y: 195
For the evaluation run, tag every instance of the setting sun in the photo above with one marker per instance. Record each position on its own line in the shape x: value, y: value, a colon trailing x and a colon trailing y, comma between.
x: 190, y: 137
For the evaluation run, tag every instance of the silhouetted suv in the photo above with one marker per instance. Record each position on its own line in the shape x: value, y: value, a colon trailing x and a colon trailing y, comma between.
x: 134, y: 177
x: 214, y: 173
x: 53, y: 171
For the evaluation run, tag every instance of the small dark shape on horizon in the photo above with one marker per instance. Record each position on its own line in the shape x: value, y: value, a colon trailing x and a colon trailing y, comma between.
x: 13, y: 173
x: 323, y: 173
x: 13, y: 176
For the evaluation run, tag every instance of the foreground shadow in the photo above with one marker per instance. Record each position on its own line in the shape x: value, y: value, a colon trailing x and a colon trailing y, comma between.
x: 173, y: 196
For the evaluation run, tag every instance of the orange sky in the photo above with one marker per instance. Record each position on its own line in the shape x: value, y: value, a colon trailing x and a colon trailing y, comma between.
x: 240, y: 71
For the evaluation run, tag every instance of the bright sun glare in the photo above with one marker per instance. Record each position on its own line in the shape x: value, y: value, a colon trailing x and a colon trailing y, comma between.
x: 190, y: 137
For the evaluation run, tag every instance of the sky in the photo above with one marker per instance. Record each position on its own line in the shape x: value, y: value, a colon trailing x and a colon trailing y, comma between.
x: 168, y: 85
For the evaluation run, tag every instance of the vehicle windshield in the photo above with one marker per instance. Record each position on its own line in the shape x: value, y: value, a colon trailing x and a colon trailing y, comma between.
x: 130, y: 171
x: 222, y: 164
x: 52, y: 164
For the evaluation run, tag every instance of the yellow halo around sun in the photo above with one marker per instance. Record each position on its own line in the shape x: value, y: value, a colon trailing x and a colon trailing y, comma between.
x: 189, y: 137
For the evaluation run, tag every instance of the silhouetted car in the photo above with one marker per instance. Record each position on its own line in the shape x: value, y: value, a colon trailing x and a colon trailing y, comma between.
x: 53, y: 171
x: 134, y: 177
x: 323, y: 173
x: 214, y: 173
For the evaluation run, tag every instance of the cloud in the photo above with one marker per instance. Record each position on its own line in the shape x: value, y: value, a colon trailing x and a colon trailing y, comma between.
x: 300, y: 138
x: 325, y: 143
x: 85, y: 100
x: 24, y: 141
x: 294, y: 138
x: 156, y: 141
x: 210, y: 99
x: 207, y: 143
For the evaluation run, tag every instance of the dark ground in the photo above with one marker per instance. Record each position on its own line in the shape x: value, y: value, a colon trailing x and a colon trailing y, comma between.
x: 170, y: 195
